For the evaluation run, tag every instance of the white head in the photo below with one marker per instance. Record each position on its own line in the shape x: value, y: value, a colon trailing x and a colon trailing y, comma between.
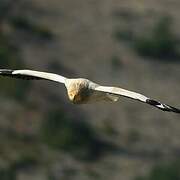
x: 77, y: 90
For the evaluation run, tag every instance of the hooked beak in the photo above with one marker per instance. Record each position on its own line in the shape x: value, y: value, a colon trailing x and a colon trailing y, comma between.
x: 75, y: 98
x: 71, y: 96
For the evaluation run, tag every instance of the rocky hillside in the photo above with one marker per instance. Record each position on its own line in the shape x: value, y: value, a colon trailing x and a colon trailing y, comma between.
x: 134, y: 45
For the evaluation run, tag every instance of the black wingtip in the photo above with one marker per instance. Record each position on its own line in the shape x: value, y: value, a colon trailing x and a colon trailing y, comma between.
x: 173, y: 109
x: 6, y: 72
x: 163, y: 107
x: 9, y: 73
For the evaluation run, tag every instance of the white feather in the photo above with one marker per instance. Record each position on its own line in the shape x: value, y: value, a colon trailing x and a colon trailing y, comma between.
x: 121, y: 92
x: 45, y: 75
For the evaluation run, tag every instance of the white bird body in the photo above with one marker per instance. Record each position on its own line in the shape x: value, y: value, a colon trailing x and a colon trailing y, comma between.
x: 82, y: 90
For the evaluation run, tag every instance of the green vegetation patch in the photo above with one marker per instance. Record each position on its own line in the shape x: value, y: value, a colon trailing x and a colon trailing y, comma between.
x: 160, y: 43
x: 71, y: 135
x: 37, y: 30
x: 116, y: 63
x: 9, y: 59
x: 169, y: 171
x: 7, y: 174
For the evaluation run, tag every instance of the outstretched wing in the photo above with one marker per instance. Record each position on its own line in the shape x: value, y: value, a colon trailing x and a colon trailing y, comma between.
x: 32, y: 75
x: 136, y: 96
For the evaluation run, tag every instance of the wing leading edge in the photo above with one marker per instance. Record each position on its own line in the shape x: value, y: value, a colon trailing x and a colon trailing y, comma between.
x: 137, y: 96
x: 32, y: 75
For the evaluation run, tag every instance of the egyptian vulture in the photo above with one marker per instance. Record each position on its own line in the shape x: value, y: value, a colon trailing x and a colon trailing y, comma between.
x: 82, y: 90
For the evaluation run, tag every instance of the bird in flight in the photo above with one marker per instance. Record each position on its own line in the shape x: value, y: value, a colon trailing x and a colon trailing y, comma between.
x: 82, y: 91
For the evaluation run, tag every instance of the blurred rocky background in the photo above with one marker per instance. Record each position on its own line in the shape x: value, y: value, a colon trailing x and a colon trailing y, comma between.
x: 131, y: 44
